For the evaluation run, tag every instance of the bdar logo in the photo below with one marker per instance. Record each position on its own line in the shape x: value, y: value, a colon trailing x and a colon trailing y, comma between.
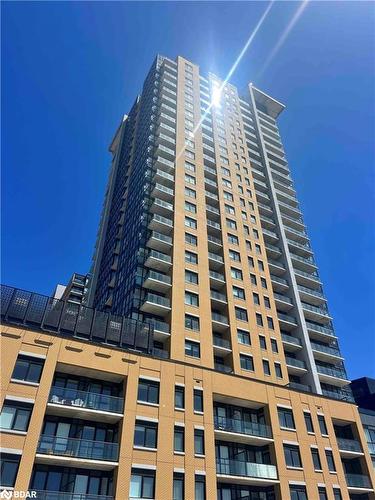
x: 6, y: 494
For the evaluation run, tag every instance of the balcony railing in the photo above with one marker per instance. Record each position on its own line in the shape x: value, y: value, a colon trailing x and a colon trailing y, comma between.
x: 223, y: 368
x: 326, y: 349
x: 290, y: 339
x: 349, y: 445
x: 157, y: 299
x: 295, y: 362
x: 218, y: 296
x: 242, y: 427
x: 332, y: 372
x: 220, y: 318
x: 305, y: 289
x: 318, y: 310
x: 164, y: 278
x: 78, y: 448
x: 245, y: 469
x: 282, y: 281
x: 283, y: 298
x: 299, y: 386
x: 357, y: 481
x: 340, y: 394
x: 63, y: 318
x: 216, y: 276
x: 157, y: 325
x: 287, y: 318
x: 214, y: 256
x: 64, y: 495
x: 85, y: 399
x: 317, y: 328
x: 219, y: 342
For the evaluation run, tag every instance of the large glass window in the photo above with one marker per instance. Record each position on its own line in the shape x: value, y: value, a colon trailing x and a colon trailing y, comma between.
x: 246, y: 362
x: 308, y: 422
x: 199, y: 441
x: 198, y: 400
x: 145, y: 434
x: 243, y: 337
x: 286, y: 418
x: 322, y: 425
x: 298, y: 493
x: 15, y: 415
x: 28, y: 368
x: 192, y: 349
x: 191, y: 322
x: 148, y: 391
x: 292, y: 456
x: 142, y: 484
x: 330, y: 461
x: 316, y: 459
x: 179, y: 439
x: 179, y: 397
x: 9, y: 467
x: 200, y: 487
x: 178, y: 486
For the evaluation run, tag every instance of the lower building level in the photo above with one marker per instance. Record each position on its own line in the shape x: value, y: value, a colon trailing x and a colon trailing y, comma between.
x: 85, y: 421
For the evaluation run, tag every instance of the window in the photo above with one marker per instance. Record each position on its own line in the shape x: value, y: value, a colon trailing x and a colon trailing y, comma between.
x: 231, y: 224
x: 308, y: 422
x: 28, y: 368
x: 198, y: 400
x: 253, y: 279
x: 15, y: 415
x: 292, y: 456
x: 316, y: 459
x: 229, y: 210
x: 190, y: 207
x: 246, y: 362
x: 241, y: 314
x: 239, y: 293
x: 255, y: 234
x: 262, y: 342
x: 330, y: 461
x: 267, y: 303
x: 199, y: 441
x: 189, y: 222
x: 236, y: 273
x: 274, y: 346
x: 286, y: 418
x: 243, y: 337
x: 234, y: 255
x: 190, y: 239
x: 256, y: 299
x: 192, y: 349
x: 191, y: 277
x: 259, y: 319
x: 322, y: 493
x: 200, y: 487
x: 179, y: 397
x: 298, y: 493
x: 263, y: 282
x: 148, y: 391
x: 322, y: 425
x: 266, y: 367
x: 9, y: 468
x: 257, y: 248
x: 179, y: 439
x: 337, y: 494
x: 142, y: 484
x: 189, y: 166
x: 228, y: 196
x: 232, y: 239
x: 189, y: 179
x: 191, y: 299
x: 145, y: 434
x: 191, y: 257
x: 190, y: 192
x: 278, y: 371
x: 260, y: 265
x: 191, y: 322
x: 250, y: 261
x: 178, y: 486
x: 270, y: 323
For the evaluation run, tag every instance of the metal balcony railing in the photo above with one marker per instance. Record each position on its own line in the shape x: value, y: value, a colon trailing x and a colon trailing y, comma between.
x: 242, y: 427
x: 349, y: 445
x: 213, y: 239
x: 78, y: 448
x: 245, y: 469
x: 214, y: 256
x: 85, y: 399
x: 44, y: 313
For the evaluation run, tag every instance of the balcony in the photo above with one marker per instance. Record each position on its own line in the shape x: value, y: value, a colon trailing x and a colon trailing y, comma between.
x: 264, y: 208
x: 332, y: 375
x: 213, y: 225
x: 242, y: 472
x: 216, y: 277
x: 279, y: 283
x: 162, y: 163
x: 64, y: 495
x: 163, y: 208
x: 349, y: 447
x: 160, y: 223
x: 213, y: 240
x: 221, y: 346
x: 295, y: 366
x: 159, y: 241
x: 316, y: 313
x: 305, y: 249
x: 155, y: 304
x: 273, y: 251
x: 358, y: 483
x: 295, y: 234
x: 318, y: 331
x: 340, y: 394
x: 324, y: 352
x: 220, y: 367
x: 305, y: 263
x: 219, y: 321
x: 218, y: 297
x: 300, y: 387
x: 276, y: 267
x: 314, y: 296
x: 162, y: 192
x: 83, y: 404
x: 165, y: 152
x: 157, y: 281
x: 241, y: 431
x: 282, y: 301
x: 161, y: 329
x: 218, y: 259
x: 292, y: 343
x: 269, y: 235
x: 306, y: 278
x: 287, y: 321
x: 158, y: 260
x: 79, y: 452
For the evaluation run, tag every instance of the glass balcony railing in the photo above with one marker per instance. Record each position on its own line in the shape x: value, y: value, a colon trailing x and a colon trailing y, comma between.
x: 216, y: 276
x: 283, y: 298
x: 282, y: 281
x: 311, y: 276
x: 299, y: 386
x: 64, y: 495
x: 318, y: 310
x: 295, y: 362
x: 213, y: 239
x: 290, y: 339
x: 223, y: 368
x: 245, y: 469
x: 164, y: 278
x: 85, y: 399
x: 326, y: 349
x: 287, y: 318
x: 160, y: 256
x: 332, y: 372
x: 160, y: 353
x: 219, y: 342
x: 220, y: 318
x: 157, y: 325
x: 214, y: 256
x: 242, y: 427
x: 357, y: 481
x: 340, y: 394
x: 349, y: 445
x: 157, y: 299
x: 78, y: 448
x: 218, y: 296
x: 310, y: 291
x: 317, y: 328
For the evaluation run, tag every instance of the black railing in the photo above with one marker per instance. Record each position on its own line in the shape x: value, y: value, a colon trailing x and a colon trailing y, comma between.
x: 20, y: 307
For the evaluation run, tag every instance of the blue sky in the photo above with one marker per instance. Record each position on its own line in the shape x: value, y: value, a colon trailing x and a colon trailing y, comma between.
x: 71, y: 69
